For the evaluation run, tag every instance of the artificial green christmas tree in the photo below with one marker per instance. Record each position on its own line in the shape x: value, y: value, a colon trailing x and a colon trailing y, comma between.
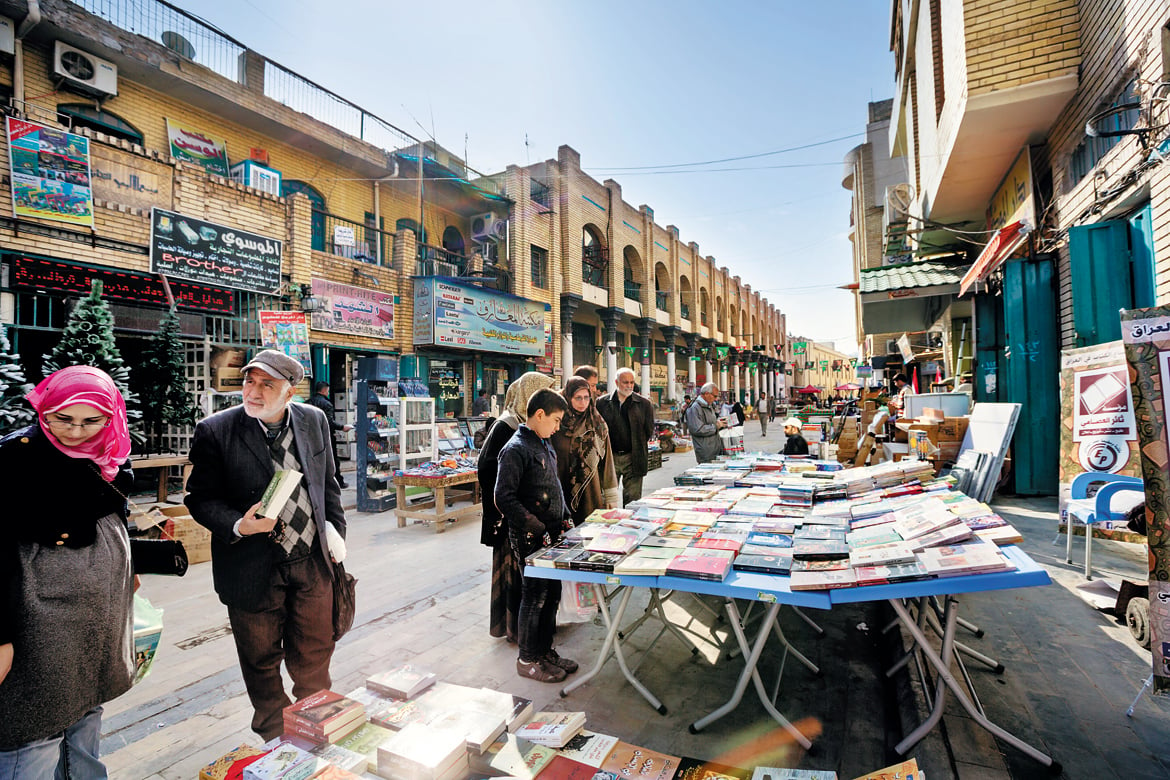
x: 88, y: 340
x: 161, y: 380
x: 15, y: 411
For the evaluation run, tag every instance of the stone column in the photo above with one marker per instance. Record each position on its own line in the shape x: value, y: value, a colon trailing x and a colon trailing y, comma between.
x: 645, y: 328
x: 735, y: 381
x: 708, y: 345
x: 569, y: 304
x: 692, y: 358
x: 670, y: 336
x: 609, y: 320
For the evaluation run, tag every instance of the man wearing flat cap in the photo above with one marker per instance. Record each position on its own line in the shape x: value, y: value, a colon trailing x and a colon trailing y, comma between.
x: 274, y: 574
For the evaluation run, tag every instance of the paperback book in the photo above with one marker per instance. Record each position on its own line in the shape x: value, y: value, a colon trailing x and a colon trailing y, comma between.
x: 630, y: 762
x: 823, y: 580
x: 279, y: 491
x: 403, y: 682
x: 778, y: 563
x: 323, y: 716
x: 589, y: 748
x: 553, y: 729
x: 880, y: 575
x: 779, y: 773
x: 957, y: 559
x: 513, y: 756
x: 701, y: 564
x: 881, y: 554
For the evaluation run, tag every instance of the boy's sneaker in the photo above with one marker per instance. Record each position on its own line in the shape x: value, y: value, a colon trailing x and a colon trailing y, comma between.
x: 541, y: 670
x: 567, y: 664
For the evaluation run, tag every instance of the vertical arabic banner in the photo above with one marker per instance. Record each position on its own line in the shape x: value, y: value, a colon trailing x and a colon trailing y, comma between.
x: 50, y: 173
x: 191, y: 145
x: 355, y: 310
x: 287, y: 331
x: 1098, y: 430
x: 1146, y: 335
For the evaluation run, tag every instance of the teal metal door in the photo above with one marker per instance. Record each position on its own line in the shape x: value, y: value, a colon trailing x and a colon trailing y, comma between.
x: 1031, y: 369
x: 1112, y: 266
x: 988, y: 347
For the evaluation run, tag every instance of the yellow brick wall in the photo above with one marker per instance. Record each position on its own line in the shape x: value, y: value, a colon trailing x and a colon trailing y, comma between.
x: 1118, y: 44
x: 1014, y: 42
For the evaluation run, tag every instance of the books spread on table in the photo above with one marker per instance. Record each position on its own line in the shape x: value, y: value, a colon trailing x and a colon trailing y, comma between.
x: 323, y: 716
x: 701, y: 564
x: 513, y: 756
x: 279, y: 491
x: 404, y: 682
x: 778, y: 562
x: 631, y: 762
x: 589, y: 748
x: 780, y: 773
x: 956, y: 559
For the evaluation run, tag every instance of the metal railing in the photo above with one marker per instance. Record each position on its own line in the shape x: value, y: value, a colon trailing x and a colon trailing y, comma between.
x: 684, y: 311
x: 353, y: 240
x: 633, y: 290
x: 436, y: 261
x: 174, y: 28
x: 662, y: 300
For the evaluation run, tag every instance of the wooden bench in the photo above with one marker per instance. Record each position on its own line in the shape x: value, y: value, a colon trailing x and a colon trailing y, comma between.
x: 163, y: 463
x: 435, y: 511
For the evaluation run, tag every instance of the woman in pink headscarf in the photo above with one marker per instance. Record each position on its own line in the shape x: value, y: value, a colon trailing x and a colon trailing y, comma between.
x: 66, y: 585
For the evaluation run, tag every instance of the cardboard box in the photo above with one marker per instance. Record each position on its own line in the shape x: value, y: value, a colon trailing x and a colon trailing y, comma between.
x: 953, y: 429
x: 932, y: 430
x: 195, y: 538
x: 948, y: 451
x: 226, y: 378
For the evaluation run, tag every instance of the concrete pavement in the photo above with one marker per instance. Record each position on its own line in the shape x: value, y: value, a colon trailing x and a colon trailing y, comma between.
x: 1070, y: 670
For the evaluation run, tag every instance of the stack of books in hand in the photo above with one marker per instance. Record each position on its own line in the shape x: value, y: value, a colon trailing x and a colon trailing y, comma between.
x: 323, y: 717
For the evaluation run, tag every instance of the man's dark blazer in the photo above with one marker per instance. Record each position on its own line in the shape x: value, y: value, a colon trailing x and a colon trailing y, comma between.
x: 641, y: 416
x: 232, y: 465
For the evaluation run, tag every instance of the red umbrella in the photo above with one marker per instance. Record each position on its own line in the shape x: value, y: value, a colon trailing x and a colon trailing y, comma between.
x: 847, y: 386
x: 809, y: 389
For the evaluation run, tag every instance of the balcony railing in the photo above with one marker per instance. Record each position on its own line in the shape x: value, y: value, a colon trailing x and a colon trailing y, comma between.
x: 353, y: 240
x: 436, y: 261
x: 594, y: 262
x: 662, y: 300
x: 633, y: 290
x: 684, y: 311
x: 703, y: 318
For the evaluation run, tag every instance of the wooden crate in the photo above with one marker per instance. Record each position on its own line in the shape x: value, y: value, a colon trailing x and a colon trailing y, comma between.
x: 195, y: 538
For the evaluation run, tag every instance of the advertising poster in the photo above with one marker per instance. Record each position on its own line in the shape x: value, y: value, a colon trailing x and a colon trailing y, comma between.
x: 193, y: 146
x: 358, y: 311
x: 50, y: 173
x: 450, y: 314
x: 199, y: 251
x: 1098, y: 430
x: 287, y: 331
x: 1146, y: 335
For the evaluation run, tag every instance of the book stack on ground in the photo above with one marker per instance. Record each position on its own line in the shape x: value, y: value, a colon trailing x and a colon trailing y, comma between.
x: 232, y: 763
x: 552, y: 729
x: 420, y: 752
x: 284, y: 762
x: 402, y: 682
x: 323, y: 717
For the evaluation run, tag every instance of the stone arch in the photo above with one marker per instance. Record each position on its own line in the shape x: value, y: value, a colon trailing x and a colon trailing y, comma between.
x: 594, y: 255
x: 704, y: 305
x: 663, y: 289
x: 686, y: 297
x: 633, y: 273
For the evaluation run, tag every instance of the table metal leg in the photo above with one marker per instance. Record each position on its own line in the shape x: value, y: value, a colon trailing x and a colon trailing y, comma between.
x: 948, y: 680
x: 613, y: 645
x: 752, y: 658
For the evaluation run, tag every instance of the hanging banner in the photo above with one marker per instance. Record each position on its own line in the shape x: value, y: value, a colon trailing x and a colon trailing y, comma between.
x: 798, y: 347
x: 1146, y: 335
x: 193, y: 146
x: 190, y: 248
x: 288, y: 332
x: 358, y: 311
x: 50, y: 173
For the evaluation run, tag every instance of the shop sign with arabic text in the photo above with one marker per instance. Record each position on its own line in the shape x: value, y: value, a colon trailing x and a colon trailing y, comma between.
x: 462, y: 316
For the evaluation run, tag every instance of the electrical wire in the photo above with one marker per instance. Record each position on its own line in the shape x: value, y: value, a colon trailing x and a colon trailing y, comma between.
x: 731, y: 159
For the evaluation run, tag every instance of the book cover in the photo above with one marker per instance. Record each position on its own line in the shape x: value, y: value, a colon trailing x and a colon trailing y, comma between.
x: 318, y: 735
x: 341, y: 758
x: 643, y: 563
x: 825, y: 564
x: 764, y: 564
x: 547, y: 556
x: 479, y: 727
x: 984, y: 521
x: 665, y: 541
x: 364, y: 740
x: 404, y: 682
x: 698, y: 563
x: 553, y: 729
x: 818, y: 533
x: 696, y: 769
x: 609, y: 516
x: 219, y: 768
x: 421, y: 750
x: 323, y: 713
x: 823, y: 580
x: 587, y: 560
x: 564, y: 768
x: 871, y: 535
x: 654, y: 514
x: 279, y: 491
x: 820, y: 548
x: 378, y: 706
x: 765, y: 539
x: 615, y: 539
x: 589, y: 748
x: 334, y: 772
x: 955, y: 532
x: 879, y: 575
x: 513, y: 756
x: 780, y: 773
x: 957, y: 559
x: 1003, y: 534
x: 904, y: 770
x: 881, y: 554
x: 631, y: 762
x: 283, y: 762
x: 710, y: 541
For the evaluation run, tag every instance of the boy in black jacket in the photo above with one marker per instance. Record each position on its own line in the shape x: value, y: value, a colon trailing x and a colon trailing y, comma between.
x: 528, y: 495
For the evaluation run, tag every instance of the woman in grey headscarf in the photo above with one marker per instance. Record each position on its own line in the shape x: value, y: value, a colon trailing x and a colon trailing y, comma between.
x: 584, y: 457
x: 505, y: 598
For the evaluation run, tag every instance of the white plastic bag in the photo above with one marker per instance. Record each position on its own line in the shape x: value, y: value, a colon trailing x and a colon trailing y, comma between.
x: 578, y: 603
x: 148, y: 625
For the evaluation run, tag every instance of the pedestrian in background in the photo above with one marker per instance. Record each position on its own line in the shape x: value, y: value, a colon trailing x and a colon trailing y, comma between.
x: 589, y: 374
x: 764, y: 409
x: 66, y: 587
x: 274, y: 574
x: 320, y: 399
x: 505, y: 590
x: 795, y: 444
x: 630, y: 418
x: 704, y: 424
x: 479, y: 407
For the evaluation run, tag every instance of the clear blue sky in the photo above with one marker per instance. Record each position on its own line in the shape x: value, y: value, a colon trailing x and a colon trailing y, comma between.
x: 628, y: 85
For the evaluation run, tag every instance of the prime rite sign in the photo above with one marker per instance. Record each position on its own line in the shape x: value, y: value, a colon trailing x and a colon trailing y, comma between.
x: 189, y: 248
x: 448, y: 313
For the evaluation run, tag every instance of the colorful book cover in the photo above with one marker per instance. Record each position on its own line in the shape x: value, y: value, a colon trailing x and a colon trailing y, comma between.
x: 696, y: 769
x: 823, y: 580
x: 820, y: 548
x: 564, y: 768
x: 881, y: 554
x: 554, y: 729
x: 609, y: 516
x: 698, y: 563
x: 513, y: 756
x: 764, y: 564
x: 780, y: 773
x: 365, y: 740
x: 879, y: 575
x: 589, y: 748
x: 905, y: 770
x: 218, y: 769
x: 827, y: 564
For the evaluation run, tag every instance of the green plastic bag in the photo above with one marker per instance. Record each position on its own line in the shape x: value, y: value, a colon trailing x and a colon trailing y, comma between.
x: 148, y: 625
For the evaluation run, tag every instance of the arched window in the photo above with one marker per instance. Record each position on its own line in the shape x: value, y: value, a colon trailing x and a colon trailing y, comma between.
x: 594, y: 257
x: 316, y: 200
x: 686, y: 297
x: 661, y: 287
x: 84, y: 115
x: 453, y: 240
x: 631, y: 278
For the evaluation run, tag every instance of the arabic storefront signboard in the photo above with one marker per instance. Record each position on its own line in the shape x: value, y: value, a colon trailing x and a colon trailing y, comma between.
x: 1013, y: 201
x: 190, y: 248
x: 357, y: 311
x: 50, y: 173
x: 128, y: 179
x: 288, y: 332
x: 193, y: 146
x: 448, y: 313
x: 1146, y: 335
x: 1098, y: 429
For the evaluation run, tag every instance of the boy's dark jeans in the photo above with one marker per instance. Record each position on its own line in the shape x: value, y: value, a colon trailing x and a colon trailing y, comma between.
x: 539, y: 599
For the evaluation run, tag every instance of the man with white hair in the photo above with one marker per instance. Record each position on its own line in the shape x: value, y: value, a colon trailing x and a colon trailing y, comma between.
x: 630, y: 418
x: 704, y: 424
x: 273, y: 571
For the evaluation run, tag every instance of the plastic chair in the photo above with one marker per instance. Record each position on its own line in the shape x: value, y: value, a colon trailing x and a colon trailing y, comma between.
x: 1096, y: 509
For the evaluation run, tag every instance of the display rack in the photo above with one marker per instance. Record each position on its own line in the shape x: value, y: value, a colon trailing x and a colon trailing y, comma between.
x: 418, y: 430
x: 378, y: 443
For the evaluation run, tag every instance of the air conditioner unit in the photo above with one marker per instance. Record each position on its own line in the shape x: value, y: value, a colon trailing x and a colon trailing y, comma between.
x: 83, y: 72
x: 7, y: 36
x: 487, y: 227
x: 891, y: 346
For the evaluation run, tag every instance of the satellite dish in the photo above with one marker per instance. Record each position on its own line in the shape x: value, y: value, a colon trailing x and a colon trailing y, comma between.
x: 178, y: 44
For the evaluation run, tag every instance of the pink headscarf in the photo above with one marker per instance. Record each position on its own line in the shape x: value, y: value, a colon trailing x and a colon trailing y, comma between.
x: 92, y: 386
